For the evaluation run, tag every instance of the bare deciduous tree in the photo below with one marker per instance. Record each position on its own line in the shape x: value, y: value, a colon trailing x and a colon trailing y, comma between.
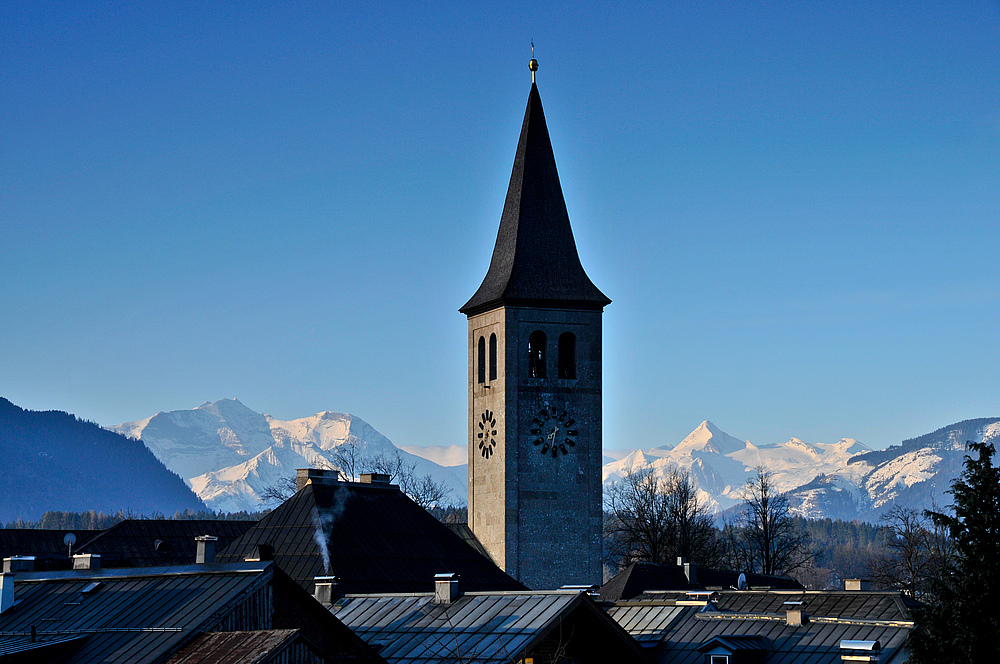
x: 351, y: 462
x: 764, y: 538
x: 656, y: 519
x: 915, y: 553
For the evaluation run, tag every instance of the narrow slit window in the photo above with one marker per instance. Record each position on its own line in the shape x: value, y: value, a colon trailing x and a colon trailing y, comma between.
x: 481, y: 360
x: 493, y: 357
x: 567, y: 355
x: 536, y: 354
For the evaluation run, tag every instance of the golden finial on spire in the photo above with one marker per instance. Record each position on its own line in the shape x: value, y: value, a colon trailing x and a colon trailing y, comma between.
x: 533, y: 64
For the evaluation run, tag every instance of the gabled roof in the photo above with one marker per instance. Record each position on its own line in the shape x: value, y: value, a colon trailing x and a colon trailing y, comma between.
x: 144, y: 615
x: 47, y: 546
x: 488, y: 627
x: 376, y: 540
x: 535, y: 262
x: 681, y: 633
x: 639, y: 577
x: 129, y: 615
x: 158, y: 542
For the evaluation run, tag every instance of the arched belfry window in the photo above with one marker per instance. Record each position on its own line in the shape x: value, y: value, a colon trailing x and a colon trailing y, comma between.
x: 567, y: 355
x: 536, y: 354
x: 481, y: 360
x: 493, y: 357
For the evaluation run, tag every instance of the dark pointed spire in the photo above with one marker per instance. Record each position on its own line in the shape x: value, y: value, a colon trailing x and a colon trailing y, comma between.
x: 535, y: 262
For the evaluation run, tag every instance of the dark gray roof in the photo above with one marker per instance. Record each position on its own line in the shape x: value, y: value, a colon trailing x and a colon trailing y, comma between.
x: 676, y: 629
x: 158, y: 542
x: 639, y: 577
x: 254, y: 647
x: 535, y: 262
x: 377, y: 540
x: 486, y: 627
x: 45, y: 545
x: 131, y: 615
x: 144, y: 615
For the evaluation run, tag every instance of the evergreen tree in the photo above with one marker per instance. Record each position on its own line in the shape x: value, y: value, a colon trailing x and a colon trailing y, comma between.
x: 964, y: 624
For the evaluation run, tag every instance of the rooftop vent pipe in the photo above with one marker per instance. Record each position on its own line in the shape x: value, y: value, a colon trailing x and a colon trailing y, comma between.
x: 86, y: 561
x: 446, y: 588
x: 16, y: 564
x: 206, y: 549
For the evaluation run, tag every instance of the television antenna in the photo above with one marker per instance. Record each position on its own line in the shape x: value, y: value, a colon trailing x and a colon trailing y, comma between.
x: 69, y: 540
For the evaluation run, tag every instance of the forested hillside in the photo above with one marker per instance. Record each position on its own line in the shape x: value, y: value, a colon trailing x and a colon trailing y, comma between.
x: 55, y: 461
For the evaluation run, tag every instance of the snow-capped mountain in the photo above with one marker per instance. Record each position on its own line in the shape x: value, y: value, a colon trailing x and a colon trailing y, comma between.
x: 721, y: 464
x: 229, y: 454
x: 843, y: 480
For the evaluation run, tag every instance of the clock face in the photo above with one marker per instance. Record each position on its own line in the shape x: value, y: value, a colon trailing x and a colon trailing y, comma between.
x: 554, y: 430
x: 487, y: 434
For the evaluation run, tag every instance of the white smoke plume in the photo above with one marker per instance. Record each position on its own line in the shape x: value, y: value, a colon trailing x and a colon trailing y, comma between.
x: 323, y: 525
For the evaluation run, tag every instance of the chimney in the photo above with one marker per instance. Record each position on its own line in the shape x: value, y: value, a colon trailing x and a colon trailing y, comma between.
x: 326, y: 590
x: 795, y: 615
x: 374, y: 478
x: 304, y: 476
x: 690, y: 570
x: 446, y: 588
x: 206, y: 549
x: 86, y: 561
x: 857, y: 584
x: 6, y: 591
x: 16, y: 564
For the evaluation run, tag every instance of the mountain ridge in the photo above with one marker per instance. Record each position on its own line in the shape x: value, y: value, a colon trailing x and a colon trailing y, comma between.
x: 230, y: 455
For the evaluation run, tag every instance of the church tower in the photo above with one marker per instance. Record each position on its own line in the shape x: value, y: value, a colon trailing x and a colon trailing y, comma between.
x: 535, y: 383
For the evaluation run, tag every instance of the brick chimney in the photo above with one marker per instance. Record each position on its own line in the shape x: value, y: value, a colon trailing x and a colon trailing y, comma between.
x: 446, y: 588
x: 690, y: 570
x: 86, y: 561
x: 326, y: 590
x: 857, y: 584
x: 16, y: 564
x: 304, y: 476
x: 795, y: 615
x: 6, y: 591
x: 206, y: 549
x: 374, y: 478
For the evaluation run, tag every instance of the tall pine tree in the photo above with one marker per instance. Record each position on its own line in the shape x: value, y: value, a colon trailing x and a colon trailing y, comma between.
x: 964, y: 624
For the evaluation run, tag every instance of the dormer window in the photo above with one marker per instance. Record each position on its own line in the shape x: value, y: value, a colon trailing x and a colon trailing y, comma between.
x: 536, y: 354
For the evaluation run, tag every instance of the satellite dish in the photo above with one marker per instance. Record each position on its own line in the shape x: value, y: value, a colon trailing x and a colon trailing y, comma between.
x: 70, y: 539
x: 741, y: 583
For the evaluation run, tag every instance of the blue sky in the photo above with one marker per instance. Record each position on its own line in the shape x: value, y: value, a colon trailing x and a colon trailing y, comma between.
x: 794, y: 206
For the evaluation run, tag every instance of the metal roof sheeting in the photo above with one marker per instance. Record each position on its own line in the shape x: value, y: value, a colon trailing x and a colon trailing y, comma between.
x: 495, y: 627
x: 678, y: 632
x: 134, y: 615
x: 377, y: 540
